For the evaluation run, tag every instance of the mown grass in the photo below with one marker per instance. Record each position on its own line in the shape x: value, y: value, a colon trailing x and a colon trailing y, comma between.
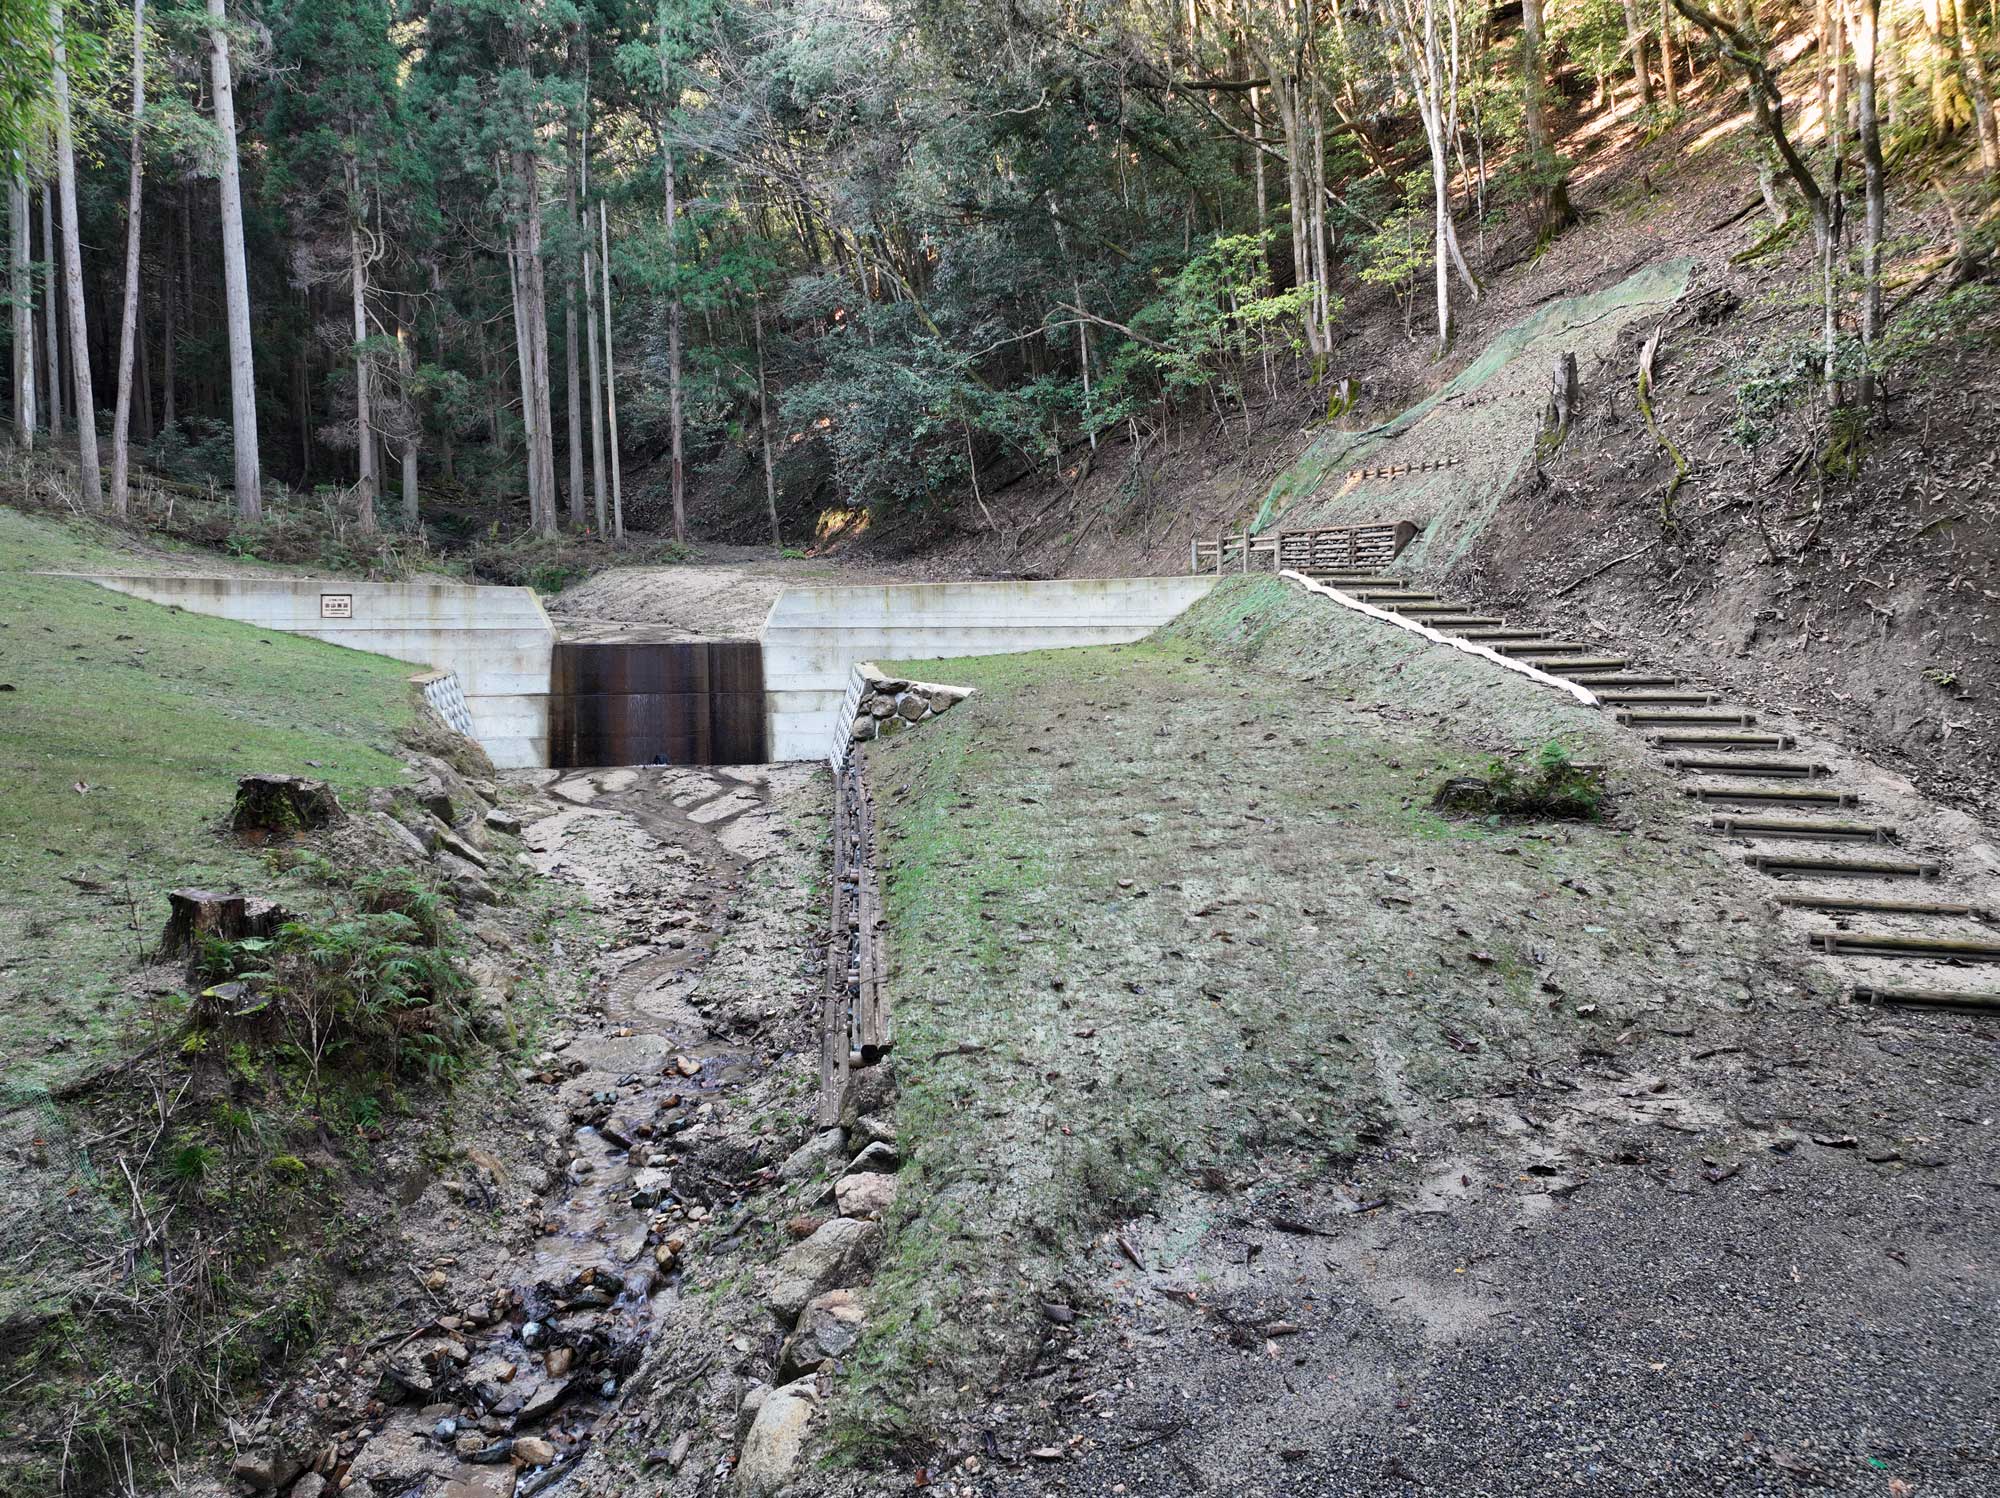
x: 1176, y: 918
x: 120, y: 742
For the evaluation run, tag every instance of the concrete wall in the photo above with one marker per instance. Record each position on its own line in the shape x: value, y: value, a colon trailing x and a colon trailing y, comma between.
x: 815, y: 636
x: 497, y: 641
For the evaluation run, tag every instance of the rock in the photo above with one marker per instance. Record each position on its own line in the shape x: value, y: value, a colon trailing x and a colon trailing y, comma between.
x: 559, y: 1360
x: 913, y: 705
x: 873, y: 1128
x: 403, y: 1456
x: 880, y: 706
x: 406, y: 843
x: 430, y: 793
x: 944, y: 701
x: 828, y: 1327
x: 823, y: 1151
x: 872, y: 1089
x: 312, y: 1485
x: 835, y: 1252
x: 258, y: 1468
x: 746, y: 1408
x: 454, y: 844
x: 485, y: 790
x: 879, y: 1157
x: 533, y: 1451
x: 867, y: 1195
x: 474, y: 1482
x: 776, y: 1441
x: 863, y: 730
x: 466, y: 884
x: 503, y: 821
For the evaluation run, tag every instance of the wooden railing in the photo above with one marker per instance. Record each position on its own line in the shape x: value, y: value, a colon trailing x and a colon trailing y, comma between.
x: 1331, y: 548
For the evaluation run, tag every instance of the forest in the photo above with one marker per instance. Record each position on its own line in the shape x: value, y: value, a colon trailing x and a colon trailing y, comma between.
x: 550, y: 263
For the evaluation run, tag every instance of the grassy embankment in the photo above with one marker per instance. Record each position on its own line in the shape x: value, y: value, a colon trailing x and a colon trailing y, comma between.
x: 1178, y: 913
x: 120, y: 743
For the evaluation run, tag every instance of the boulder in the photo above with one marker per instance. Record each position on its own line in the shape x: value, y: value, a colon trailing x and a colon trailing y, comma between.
x: 403, y: 1456
x: 878, y: 1158
x: 913, y: 705
x: 406, y: 843
x: 503, y: 821
x: 863, y: 730
x: 868, y: 1195
x: 460, y: 847
x: 821, y: 1152
x: 836, y: 1251
x: 533, y: 1451
x: 772, y: 1450
x: 312, y: 1485
x: 880, y: 706
x: 828, y: 1328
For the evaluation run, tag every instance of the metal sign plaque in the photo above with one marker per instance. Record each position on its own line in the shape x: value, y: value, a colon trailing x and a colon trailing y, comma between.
x: 336, y: 605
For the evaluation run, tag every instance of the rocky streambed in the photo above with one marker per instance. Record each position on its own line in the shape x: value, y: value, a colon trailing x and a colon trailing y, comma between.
x: 597, y: 1198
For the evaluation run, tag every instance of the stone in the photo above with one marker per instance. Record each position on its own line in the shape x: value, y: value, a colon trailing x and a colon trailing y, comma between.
x: 913, y: 705
x: 891, y: 726
x: 943, y: 701
x: 873, y: 1128
x: 823, y: 1151
x: 503, y: 821
x: 312, y: 1485
x: 559, y: 1360
x: 863, y: 730
x: 405, y: 842
x: 877, y: 1157
x: 481, y: 1482
x: 880, y: 706
x: 486, y: 790
x: 431, y: 795
x: 835, y: 1252
x: 402, y: 1456
x: 258, y: 1468
x: 466, y: 883
x: 458, y: 846
x: 828, y: 1327
x: 533, y: 1451
x: 777, y: 1439
x: 867, y: 1195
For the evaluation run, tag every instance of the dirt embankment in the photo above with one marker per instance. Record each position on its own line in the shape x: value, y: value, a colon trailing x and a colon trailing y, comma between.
x: 1267, y: 1133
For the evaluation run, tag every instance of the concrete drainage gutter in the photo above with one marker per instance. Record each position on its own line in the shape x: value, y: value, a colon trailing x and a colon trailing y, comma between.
x: 1312, y: 585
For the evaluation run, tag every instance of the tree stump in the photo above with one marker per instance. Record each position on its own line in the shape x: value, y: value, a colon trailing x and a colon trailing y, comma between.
x: 269, y: 806
x: 193, y: 914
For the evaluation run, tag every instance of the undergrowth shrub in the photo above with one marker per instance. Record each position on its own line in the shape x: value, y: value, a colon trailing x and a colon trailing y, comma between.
x: 1550, y: 787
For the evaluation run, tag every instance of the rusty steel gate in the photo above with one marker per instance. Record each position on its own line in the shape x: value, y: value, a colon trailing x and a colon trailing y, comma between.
x: 693, y: 702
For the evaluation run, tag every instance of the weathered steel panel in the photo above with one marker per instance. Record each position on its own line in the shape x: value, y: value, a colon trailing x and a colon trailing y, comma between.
x: 691, y: 702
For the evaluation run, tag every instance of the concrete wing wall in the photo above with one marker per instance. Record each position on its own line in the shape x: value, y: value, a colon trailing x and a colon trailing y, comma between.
x: 815, y: 636
x: 497, y: 641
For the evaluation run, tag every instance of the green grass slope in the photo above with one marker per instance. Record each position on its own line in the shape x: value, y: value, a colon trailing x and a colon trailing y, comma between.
x: 1181, y: 910
x: 122, y: 731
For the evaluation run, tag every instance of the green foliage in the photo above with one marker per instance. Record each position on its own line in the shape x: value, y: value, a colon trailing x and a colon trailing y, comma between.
x: 1551, y: 786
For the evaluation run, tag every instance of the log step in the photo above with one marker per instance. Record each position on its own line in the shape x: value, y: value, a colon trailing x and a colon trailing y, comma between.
x: 1449, y: 623
x: 1501, y: 637
x: 1344, y: 580
x: 1894, y: 944
x: 1926, y: 998
x: 1784, y: 795
x: 1856, y: 832
x: 1546, y: 647
x: 1795, y: 769
x: 1882, y: 906
x: 1629, y: 698
x: 1787, y: 865
x: 1632, y: 717
x: 1443, y: 610
x: 1372, y: 594
x: 1719, y: 740
x: 1571, y: 663
x: 1598, y: 680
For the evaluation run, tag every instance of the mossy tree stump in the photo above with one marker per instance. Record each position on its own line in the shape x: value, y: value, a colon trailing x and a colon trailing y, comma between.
x: 281, y: 806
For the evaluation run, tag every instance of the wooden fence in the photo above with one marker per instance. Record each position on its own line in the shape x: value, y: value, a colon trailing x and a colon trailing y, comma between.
x: 1332, y: 548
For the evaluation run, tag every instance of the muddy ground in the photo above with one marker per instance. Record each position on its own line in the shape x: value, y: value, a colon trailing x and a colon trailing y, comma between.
x: 1267, y: 1134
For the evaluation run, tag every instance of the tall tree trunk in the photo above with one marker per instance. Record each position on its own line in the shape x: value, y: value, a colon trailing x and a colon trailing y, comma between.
x: 1668, y: 82
x: 610, y: 382
x: 235, y: 278
x: 1889, y: 67
x: 358, y: 257
x: 128, y: 322
x: 524, y: 373
x: 1866, y: 28
x: 169, y: 310
x: 764, y: 429
x: 1635, y: 37
x: 597, y: 474
x: 90, y: 478
x: 20, y: 292
x: 575, y: 384
x: 1551, y: 182
x: 674, y: 335
x: 535, y: 275
x: 52, y: 339
x: 406, y: 364
x: 142, y: 407
x: 1977, y: 85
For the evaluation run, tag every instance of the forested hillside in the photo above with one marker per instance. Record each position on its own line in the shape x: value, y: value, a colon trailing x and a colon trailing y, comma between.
x: 564, y: 265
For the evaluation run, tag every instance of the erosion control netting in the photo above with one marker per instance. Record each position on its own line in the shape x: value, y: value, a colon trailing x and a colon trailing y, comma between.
x: 1485, y: 419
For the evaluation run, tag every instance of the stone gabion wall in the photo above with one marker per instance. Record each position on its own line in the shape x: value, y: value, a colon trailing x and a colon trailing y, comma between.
x: 446, y: 695
x: 889, y: 705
